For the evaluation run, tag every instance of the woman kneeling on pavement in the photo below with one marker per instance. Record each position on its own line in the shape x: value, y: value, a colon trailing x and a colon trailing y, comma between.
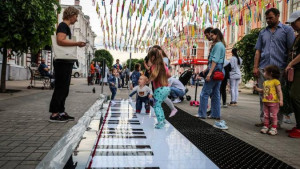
x: 294, y: 63
x: 212, y: 87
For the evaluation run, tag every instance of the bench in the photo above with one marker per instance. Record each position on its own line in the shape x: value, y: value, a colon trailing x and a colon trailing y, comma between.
x: 37, y: 78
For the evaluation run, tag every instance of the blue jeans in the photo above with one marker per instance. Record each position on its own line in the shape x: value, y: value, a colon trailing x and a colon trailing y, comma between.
x: 139, y: 103
x: 134, y: 84
x: 211, y: 88
x: 175, y: 92
x: 113, y: 92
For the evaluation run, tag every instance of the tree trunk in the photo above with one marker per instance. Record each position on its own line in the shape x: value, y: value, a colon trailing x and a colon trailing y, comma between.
x: 3, y: 71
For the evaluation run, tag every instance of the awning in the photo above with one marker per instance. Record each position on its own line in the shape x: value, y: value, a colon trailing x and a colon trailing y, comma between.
x: 190, y: 61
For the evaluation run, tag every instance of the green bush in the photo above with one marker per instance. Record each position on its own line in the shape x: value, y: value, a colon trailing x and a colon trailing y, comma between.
x: 104, y: 55
x: 135, y: 61
x: 246, y: 50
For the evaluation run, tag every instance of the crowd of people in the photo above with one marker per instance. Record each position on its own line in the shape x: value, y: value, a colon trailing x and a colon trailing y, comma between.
x: 276, y: 69
x: 275, y: 59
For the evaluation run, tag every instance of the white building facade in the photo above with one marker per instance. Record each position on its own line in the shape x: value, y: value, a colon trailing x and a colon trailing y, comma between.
x: 17, y: 65
x: 83, y: 32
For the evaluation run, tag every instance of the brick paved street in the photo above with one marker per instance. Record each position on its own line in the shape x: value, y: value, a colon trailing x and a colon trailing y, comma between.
x: 241, y: 120
x: 26, y: 136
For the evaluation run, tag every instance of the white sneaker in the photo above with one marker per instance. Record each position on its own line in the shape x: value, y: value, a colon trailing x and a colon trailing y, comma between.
x: 177, y: 100
x: 173, y: 113
x: 273, y: 131
x: 264, y: 129
x: 112, y: 102
x: 224, y: 106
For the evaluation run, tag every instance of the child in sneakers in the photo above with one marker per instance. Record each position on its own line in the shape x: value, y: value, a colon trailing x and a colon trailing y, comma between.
x: 159, y: 76
x: 144, y: 93
x: 177, y: 90
x: 272, y: 98
x: 113, y: 82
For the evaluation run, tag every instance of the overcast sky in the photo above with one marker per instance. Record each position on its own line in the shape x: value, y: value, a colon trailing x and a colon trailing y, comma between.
x: 90, y: 10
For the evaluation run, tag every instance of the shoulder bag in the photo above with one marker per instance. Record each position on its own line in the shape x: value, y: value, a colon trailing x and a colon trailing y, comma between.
x: 63, y: 52
x: 218, y: 74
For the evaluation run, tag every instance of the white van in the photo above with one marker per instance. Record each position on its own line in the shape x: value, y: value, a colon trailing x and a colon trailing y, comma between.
x: 76, y: 72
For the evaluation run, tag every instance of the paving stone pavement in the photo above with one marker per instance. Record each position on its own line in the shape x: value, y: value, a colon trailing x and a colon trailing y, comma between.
x: 26, y: 136
x: 241, y: 119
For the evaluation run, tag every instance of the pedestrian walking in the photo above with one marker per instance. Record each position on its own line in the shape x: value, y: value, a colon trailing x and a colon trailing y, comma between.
x: 123, y: 75
x: 63, y: 67
x: 98, y: 72
x: 113, y: 84
x: 119, y: 68
x: 105, y: 77
x: 92, y: 73
x: 272, y: 98
x: 235, y: 76
x: 223, y: 88
x: 293, y: 71
x: 272, y: 48
x: 127, y: 74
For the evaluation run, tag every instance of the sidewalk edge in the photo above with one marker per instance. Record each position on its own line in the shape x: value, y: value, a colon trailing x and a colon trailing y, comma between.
x: 58, y: 156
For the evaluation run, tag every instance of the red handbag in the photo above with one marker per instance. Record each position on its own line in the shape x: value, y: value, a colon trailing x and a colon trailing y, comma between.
x: 218, y: 75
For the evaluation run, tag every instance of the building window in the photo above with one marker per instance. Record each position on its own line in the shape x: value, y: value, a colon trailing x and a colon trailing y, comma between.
x: 184, y: 52
x: 194, y: 51
x: 295, y: 6
x: 248, y: 25
x: 263, y: 18
x: 232, y: 33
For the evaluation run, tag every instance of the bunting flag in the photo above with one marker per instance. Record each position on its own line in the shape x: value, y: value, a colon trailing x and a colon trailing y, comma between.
x: 155, y: 21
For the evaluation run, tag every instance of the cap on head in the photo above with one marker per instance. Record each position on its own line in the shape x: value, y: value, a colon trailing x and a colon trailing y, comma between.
x: 294, y: 16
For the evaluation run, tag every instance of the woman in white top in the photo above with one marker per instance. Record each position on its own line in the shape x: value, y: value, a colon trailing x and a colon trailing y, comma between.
x: 235, y: 76
x: 105, y: 78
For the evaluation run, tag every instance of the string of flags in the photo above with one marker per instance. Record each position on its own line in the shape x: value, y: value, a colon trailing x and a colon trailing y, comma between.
x: 149, y: 22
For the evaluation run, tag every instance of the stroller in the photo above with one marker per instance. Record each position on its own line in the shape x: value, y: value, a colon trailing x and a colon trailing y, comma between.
x: 184, y: 79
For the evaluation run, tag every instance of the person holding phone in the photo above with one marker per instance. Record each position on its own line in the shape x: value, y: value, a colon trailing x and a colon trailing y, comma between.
x: 63, y: 67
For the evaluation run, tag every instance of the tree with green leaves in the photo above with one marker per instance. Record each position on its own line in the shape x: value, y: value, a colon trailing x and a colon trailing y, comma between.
x: 26, y: 25
x: 102, y: 54
x: 246, y: 50
x: 135, y: 61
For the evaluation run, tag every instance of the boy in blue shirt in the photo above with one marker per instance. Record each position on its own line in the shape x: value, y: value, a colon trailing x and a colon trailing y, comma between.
x: 135, y: 76
x: 113, y: 82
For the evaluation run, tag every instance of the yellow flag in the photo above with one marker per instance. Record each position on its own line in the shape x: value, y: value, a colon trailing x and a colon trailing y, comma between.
x: 193, y: 31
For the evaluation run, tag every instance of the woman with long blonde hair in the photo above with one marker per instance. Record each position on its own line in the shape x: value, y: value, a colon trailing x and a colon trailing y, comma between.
x: 159, y: 76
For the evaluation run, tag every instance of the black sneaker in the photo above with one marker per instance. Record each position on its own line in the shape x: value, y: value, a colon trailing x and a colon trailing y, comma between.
x: 58, y: 119
x: 208, y: 112
x: 66, y: 116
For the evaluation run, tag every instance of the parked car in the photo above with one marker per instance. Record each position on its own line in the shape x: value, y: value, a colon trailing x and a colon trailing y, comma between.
x: 76, y: 72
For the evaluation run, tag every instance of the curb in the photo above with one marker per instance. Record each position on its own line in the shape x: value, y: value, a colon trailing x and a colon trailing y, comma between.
x: 58, y: 156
